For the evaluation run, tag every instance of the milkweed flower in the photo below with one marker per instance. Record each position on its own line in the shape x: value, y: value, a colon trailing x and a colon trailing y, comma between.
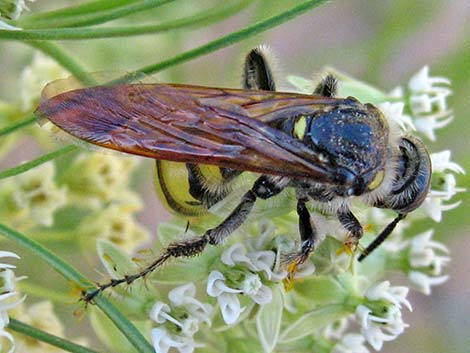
x: 179, y: 320
x: 351, y: 343
x: 380, y: 318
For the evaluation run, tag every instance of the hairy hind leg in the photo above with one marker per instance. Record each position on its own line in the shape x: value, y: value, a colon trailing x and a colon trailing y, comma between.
x: 263, y: 188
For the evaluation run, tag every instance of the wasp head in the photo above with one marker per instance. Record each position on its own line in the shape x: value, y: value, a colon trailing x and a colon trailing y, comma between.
x: 411, y: 181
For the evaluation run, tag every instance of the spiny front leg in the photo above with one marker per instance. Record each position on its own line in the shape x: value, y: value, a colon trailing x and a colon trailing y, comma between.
x: 257, y: 70
x: 328, y: 87
x: 354, y: 228
x: 263, y: 188
x: 308, y: 237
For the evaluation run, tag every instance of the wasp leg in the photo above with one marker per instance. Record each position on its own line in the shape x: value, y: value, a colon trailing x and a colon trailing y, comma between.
x: 308, y: 236
x: 328, y: 87
x: 263, y: 188
x: 352, y: 225
x: 257, y: 72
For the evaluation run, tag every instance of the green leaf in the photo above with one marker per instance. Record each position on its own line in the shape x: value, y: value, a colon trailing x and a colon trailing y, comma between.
x: 114, y: 259
x: 321, y: 290
x: 108, y: 334
x: 268, y: 320
x: 312, y: 322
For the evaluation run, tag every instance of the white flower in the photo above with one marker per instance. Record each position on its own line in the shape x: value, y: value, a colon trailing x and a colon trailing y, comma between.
x: 423, y: 250
x: 351, y: 343
x: 184, y: 296
x: 428, y: 102
x: 235, y: 254
x: 160, y: 314
x: 434, y: 207
x: 394, y: 113
x: 448, y: 188
x: 163, y: 341
x: 378, y: 329
x: 430, y: 123
x: 256, y: 290
x: 427, y: 258
x: 393, y: 294
x: 226, y: 297
x: 251, y: 284
x: 229, y: 307
x: 256, y: 261
x: 9, y: 297
x: 441, y: 162
x: 434, y: 204
x: 422, y: 82
x: 424, y: 103
x: 384, y: 322
x: 186, y: 312
x: 424, y: 282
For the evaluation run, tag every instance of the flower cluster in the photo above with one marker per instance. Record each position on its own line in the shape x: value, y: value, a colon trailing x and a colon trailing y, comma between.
x: 380, y: 318
x: 242, y: 276
x: 179, y: 320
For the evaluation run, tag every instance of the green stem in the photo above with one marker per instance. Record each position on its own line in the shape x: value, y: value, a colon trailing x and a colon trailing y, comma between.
x: 16, y: 126
x: 35, y: 162
x: 227, y: 40
x: 80, y: 9
x: 80, y: 281
x: 42, y: 336
x: 97, y: 17
x: 64, y: 59
x: 202, y: 18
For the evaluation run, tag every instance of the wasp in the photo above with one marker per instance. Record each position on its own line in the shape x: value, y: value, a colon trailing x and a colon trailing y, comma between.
x: 330, y: 150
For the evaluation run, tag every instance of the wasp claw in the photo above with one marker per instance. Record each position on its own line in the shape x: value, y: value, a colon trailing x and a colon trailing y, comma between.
x: 347, y: 248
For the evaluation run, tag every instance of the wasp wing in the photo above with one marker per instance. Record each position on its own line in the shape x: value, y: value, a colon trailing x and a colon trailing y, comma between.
x: 189, y: 124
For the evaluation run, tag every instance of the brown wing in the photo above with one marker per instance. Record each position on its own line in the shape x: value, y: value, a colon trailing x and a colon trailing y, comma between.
x: 190, y: 124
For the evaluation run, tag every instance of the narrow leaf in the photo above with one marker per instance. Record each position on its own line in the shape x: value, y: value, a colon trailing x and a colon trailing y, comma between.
x: 312, y: 322
x: 268, y: 321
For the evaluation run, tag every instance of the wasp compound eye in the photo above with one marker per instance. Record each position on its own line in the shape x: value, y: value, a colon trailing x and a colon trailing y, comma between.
x: 413, y: 174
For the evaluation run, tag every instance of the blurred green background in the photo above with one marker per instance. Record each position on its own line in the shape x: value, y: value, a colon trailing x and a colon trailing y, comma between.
x: 381, y: 42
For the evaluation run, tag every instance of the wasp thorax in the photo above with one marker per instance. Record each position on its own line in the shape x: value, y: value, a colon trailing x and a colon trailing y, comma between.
x: 354, y: 138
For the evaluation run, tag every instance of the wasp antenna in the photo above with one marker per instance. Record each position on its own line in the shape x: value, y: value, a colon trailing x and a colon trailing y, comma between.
x: 328, y: 87
x: 381, y: 237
